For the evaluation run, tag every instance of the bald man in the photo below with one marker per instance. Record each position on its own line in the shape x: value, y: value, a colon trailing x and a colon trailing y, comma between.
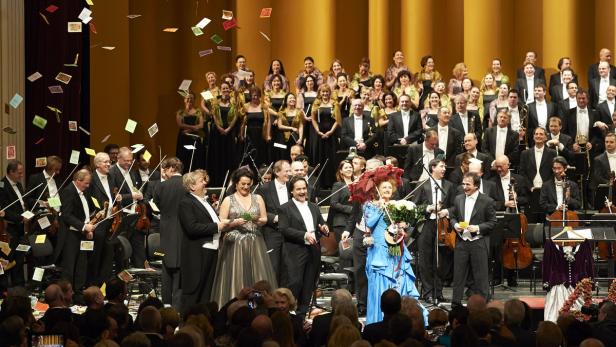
x: 57, y: 312
x: 93, y: 297
x: 593, y: 70
x: 487, y: 186
x: 502, y: 179
x: 597, y: 88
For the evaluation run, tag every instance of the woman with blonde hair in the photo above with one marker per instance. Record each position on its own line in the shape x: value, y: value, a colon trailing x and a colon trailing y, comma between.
x: 460, y: 71
x: 344, y: 336
x: 325, y: 120
x: 489, y: 92
x: 288, y: 127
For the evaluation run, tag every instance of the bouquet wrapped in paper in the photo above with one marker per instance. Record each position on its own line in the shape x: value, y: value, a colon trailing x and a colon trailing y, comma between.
x: 401, y: 215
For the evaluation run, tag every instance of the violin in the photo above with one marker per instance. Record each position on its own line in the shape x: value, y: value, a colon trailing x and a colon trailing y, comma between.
x: 100, y: 215
x: 445, y: 235
x: 606, y: 249
x: 55, y: 222
x: 117, y: 215
x: 517, y: 253
x: 143, y: 223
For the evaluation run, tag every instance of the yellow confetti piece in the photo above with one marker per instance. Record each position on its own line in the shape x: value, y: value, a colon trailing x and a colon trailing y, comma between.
x: 90, y: 151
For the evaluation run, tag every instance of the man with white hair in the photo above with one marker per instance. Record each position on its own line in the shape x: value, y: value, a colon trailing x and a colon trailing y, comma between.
x: 321, y: 323
x: 597, y: 87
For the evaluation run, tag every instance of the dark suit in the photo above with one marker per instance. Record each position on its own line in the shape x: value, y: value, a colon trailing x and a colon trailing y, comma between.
x: 521, y: 188
x: 522, y: 86
x: 555, y: 86
x: 488, y: 187
x: 340, y: 209
x: 320, y: 330
x: 594, y: 134
x: 539, y: 73
x: 604, y: 112
x: 359, y: 254
x: 15, y: 227
x: 427, y: 266
x: 455, y: 139
x: 473, y: 253
x: 36, y: 179
x: 198, y: 263
x: 567, y: 143
x: 395, y: 128
x: 486, y: 162
x: 533, y: 118
x: 100, y: 265
x: 167, y: 197
x: 271, y: 234
x: 528, y: 164
x: 511, y: 144
x: 369, y: 135
x: 593, y: 90
x: 593, y: 72
x: 599, y: 175
x: 413, y: 154
x: 473, y: 122
x: 74, y: 262
x: 563, y: 108
x: 548, y: 198
x: 303, y: 260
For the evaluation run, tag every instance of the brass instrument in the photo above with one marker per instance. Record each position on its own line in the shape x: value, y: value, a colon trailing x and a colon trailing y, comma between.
x: 524, y: 123
x: 581, y: 141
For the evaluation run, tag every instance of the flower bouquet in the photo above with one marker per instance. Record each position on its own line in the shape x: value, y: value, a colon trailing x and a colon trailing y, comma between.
x: 400, y: 215
x: 584, y: 289
x: 246, y: 216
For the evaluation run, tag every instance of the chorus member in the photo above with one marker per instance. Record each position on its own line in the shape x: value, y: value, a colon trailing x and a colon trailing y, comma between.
x: 406, y: 85
x: 428, y: 75
x: 501, y: 139
x: 276, y: 68
x: 384, y: 270
x: 559, y: 192
x: 243, y: 256
x: 606, y: 108
x: 584, y: 125
x: 256, y: 128
x: 309, y: 69
x: 539, y: 111
x: 467, y: 85
x: 473, y: 102
x: 497, y: 71
x: 419, y: 156
x: 275, y: 193
x: 470, y: 146
x: 167, y: 197
x: 305, y: 98
x: 526, y: 83
x: 466, y: 121
x: 489, y: 91
x: 359, y: 165
x: 598, y: 86
x: 101, y: 188
x: 536, y: 162
x: 243, y: 91
x: 343, y: 95
x: 358, y: 131
x: 377, y: 91
x: 561, y: 143
x: 501, y: 102
x: 275, y: 97
x: 363, y: 78
x: 603, y: 164
x: 460, y: 72
x: 12, y: 191
x: 477, y: 212
x: 112, y: 149
x: 241, y: 72
x: 190, y: 122
x: 288, y: 127
x: 558, y: 91
x: 389, y: 102
x: 201, y: 229
x: 212, y: 87
x: 531, y: 58
x: 394, y: 69
x: 50, y: 180
x: 340, y: 206
x: 223, y: 140
x: 265, y: 174
x: 331, y: 76
x: 75, y: 227
x: 302, y: 225
x: 429, y: 115
x: 450, y: 139
x: 436, y: 194
x: 325, y: 120
x: 404, y: 126
x: 605, y: 55
x: 503, y: 179
x: 441, y: 89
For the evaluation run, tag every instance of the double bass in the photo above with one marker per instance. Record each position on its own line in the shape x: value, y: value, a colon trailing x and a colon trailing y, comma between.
x: 606, y: 248
x: 517, y: 253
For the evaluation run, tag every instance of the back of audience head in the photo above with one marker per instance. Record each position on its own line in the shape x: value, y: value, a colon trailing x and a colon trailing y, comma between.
x: 390, y: 302
x: 248, y: 337
x: 169, y: 321
x: 181, y: 339
x: 437, y: 318
x: 54, y: 297
x: 339, y: 296
x: 283, y: 329
x: 67, y: 290
x: 337, y: 321
x: 93, y: 298
x: 361, y: 343
x: 195, y: 335
x: 13, y: 331
x: 577, y: 332
x: 150, y: 301
x: 344, y: 336
x: 197, y: 309
x: 481, y: 322
x: 202, y: 323
x: 549, y: 335
x: 348, y: 309
x: 136, y: 339
x: 476, y: 302
x: 262, y: 324
x: 464, y: 336
x: 400, y: 328
x: 514, y: 312
x: 95, y: 325
x: 116, y: 290
x: 458, y: 316
x: 607, y: 310
x: 592, y: 342
x: 150, y: 320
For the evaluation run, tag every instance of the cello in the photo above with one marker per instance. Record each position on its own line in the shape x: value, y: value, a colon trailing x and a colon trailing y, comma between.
x: 606, y: 248
x: 564, y: 217
x: 516, y: 253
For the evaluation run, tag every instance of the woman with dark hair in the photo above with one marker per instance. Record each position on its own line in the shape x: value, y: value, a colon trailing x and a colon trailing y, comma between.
x: 275, y: 96
x: 389, y: 101
x: 378, y: 85
x: 343, y: 94
x: 363, y: 78
x: 325, y: 120
x: 243, y: 91
x: 256, y: 128
x: 288, y: 127
x: 406, y: 85
x: 331, y: 76
x: 276, y: 68
x: 497, y: 72
x: 242, y: 258
x: 392, y: 71
x: 223, y: 136
x: 429, y: 115
x: 340, y: 206
x: 190, y: 123
x: 308, y: 94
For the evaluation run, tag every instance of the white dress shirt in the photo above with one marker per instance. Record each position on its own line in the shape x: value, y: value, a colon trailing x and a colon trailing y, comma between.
x: 145, y: 175
x: 505, y: 180
x: 428, y: 156
x: 210, y: 211
x: 515, y: 118
x: 464, y: 119
x: 603, y: 84
x: 610, y: 106
x: 572, y: 102
x: 129, y: 180
x: 358, y: 124
x: 611, y: 158
x: 557, y: 137
x: 530, y: 87
x: 538, y: 152
x: 443, y: 133
x: 469, y: 205
x: 406, y: 120
x: 84, y: 205
x: 17, y: 192
x: 582, y: 122
x: 281, y: 191
x: 542, y: 113
x: 105, y: 183
x: 304, y: 211
x: 437, y: 196
x: 501, y: 141
x: 559, y: 192
x: 565, y: 92
x: 51, y: 184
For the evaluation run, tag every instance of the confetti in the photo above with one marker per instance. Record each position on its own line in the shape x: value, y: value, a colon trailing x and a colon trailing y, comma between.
x: 10, y: 152
x: 205, y: 52
x: 72, y: 125
x: 207, y: 95
x: 39, y: 140
x: 44, y: 18
x: 9, y: 130
x: 51, y: 8
x: 74, y: 27
x: 16, y: 100
x: 264, y: 35
x: 39, y: 121
x: 93, y: 28
x: 106, y: 138
x: 230, y: 24
x: 223, y: 48
x: 90, y: 151
x: 147, y: 155
x: 84, y: 130
x: 266, y: 12
x: 185, y: 85
x: 130, y: 126
x: 170, y: 30
x: 217, y: 39
x: 153, y: 130
x: 133, y: 16
x: 109, y: 48
x: 205, y: 21
x: 197, y: 31
x: 40, y: 162
x: 64, y: 78
x: 85, y: 15
x: 74, y: 157
x: 56, y: 89
x: 226, y: 15
x: 35, y: 76
x: 90, y: 2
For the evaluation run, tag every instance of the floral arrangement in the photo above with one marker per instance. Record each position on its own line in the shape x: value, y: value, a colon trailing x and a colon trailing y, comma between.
x: 246, y: 216
x: 583, y: 288
x: 611, y: 292
x: 399, y: 215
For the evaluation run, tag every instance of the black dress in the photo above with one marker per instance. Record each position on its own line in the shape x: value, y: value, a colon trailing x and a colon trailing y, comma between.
x: 254, y: 135
x: 194, y: 139
x: 308, y: 100
x: 323, y: 149
x: 222, y: 150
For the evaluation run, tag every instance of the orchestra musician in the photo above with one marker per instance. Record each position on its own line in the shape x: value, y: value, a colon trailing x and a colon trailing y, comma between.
x: 358, y: 130
x: 602, y: 165
x: 51, y: 186
x: 554, y: 194
x: 465, y: 121
x: 422, y: 153
x: 535, y: 162
x: 470, y: 145
x: 561, y: 143
x: 449, y: 138
x: 404, y: 126
x: 502, y: 181
x: 539, y: 111
x: 501, y: 139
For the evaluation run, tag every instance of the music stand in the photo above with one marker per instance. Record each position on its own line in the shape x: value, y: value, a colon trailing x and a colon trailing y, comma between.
x: 605, y: 220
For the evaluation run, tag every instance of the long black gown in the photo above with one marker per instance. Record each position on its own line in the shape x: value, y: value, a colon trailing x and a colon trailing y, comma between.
x: 222, y: 149
x: 195, y: 139
x: 308, y: 101
x: 323, y: 149
x: 254, y: 135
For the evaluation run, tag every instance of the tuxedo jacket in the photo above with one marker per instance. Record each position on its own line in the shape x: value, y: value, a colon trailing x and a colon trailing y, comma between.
x: 489, y: 189
x: 425, y: 194
x: 521, y: 188
x: 549, y: 201
x: 117, y: 178
x: 533, y: 118
x: 413, y: 154
x: 570, y: 126
x: 272, y: 204
x: 292, y: 226
x: 593, y: 72
x: 567, y: 143
x: 472, y: 118
x: 604, y: 112
x: 36, y: 179
x: 97, y: 190
x: 528, y: 164
x: 167, y: 197
x: 347, y: 133
x: 600, y: 170
x: 73, y: 214
x: 522, y: 86
x: 539, y: 73
x: 483, y: 214
x: 8, y: 196
x: 395, y: 128
x: 556, y: 89
x: 340, y: 207
x: 455, y: 140
x: 486, y: 162
x: 593, y: 90
x: 512, y: 146
x: 563, y: 108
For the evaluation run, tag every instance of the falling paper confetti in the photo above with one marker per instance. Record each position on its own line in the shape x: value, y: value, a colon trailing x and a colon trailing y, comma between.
x: 264, y: 35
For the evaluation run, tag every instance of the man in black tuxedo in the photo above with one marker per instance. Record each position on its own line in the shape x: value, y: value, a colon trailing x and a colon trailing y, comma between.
x: 419, y: 155
x: 473, y: 217
x: 526, y: 83
x: 553, y: 196
x: 167, y: 198
x: 201, y: 229
x: 404, y: 126
x: 605, y: 55
x: 465, y: 121
x: 583, y: 123
x: 450, y: 139
x: 75, y: 227
x: 536, y: 162
x: 597, y: 89
x: 569, y: 101
x: 606, y: 108
x: 302, y: 225
x: 358, y: 131
x: 130, y: 183
x: 100, y: 265
x: 531, y: 58
x: 470, y: 145
x: 539, y: 111
x: 12, y: 191
x: 275, y: 193
x: 143, y: 170
x: 435, y: 199
x: 502, y: 181
x: 602, y: 165
x: 51, y: 186
x: 501, y: 140
x: 558, y: 84
x: 561, y: 143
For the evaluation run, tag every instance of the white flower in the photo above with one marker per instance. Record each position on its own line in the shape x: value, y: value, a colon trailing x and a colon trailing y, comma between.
x: 408, y: 204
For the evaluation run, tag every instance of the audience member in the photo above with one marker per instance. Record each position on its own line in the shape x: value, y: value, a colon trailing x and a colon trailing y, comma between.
x: 390, y: 305
x: 549, y: 335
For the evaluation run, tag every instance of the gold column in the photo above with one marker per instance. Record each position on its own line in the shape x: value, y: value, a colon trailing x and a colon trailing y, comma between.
x: 559, y: 32
x: 378, y: 35
x: 416, y: 19
x: 322, y: 31
x: 248, y: 40
x: 481, y: 35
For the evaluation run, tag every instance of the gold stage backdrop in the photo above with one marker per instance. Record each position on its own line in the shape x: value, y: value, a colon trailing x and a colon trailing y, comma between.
x: 140, y: 77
